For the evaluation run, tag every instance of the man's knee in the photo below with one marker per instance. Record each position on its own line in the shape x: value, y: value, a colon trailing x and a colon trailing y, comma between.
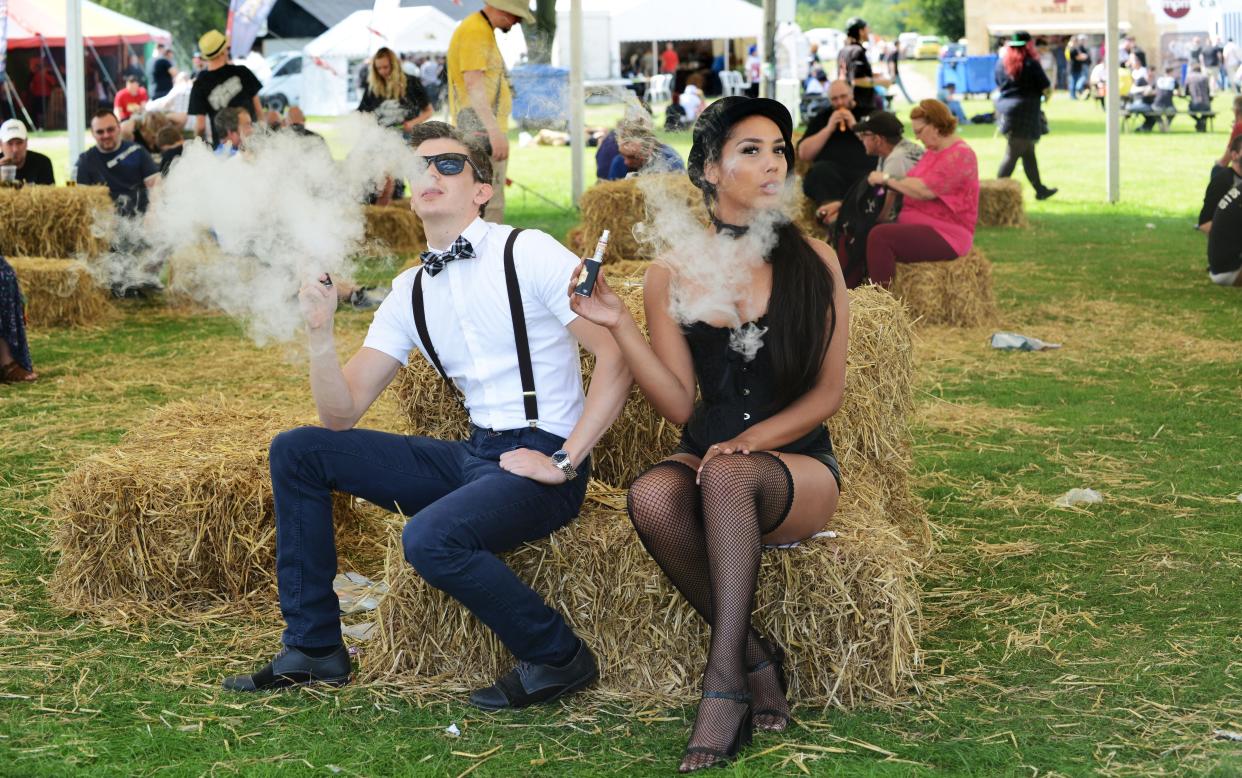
x: 429, y: 552
x: 288, y: 448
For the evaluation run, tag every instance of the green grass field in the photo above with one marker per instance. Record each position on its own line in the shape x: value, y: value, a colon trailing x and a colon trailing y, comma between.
x: 1103, y: 640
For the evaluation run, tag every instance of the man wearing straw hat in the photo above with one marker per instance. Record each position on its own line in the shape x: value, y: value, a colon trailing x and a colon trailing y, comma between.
x: 478, y: 87
x: 221, y: 85
x: 489, y: 310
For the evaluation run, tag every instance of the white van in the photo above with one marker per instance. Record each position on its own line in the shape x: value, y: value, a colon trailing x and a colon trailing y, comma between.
x: 284, y: 88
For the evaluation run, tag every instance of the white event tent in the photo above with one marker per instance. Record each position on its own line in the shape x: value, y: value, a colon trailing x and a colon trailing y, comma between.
x: 330, y: 61
x: 606, y: 24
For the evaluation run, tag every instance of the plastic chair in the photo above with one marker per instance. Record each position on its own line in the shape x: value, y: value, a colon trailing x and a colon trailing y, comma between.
x: 661, y: 88
x: 731, y: 83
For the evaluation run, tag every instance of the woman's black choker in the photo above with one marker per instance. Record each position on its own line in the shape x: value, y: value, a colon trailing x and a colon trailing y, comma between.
x: 734, y: 231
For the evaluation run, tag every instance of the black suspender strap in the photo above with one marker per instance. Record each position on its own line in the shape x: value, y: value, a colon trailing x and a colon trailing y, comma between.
x: 420, y: 322
x: 525, y: 369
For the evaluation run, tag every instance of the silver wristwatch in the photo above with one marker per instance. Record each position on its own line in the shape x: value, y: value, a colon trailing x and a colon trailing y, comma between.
x: 564, y: 464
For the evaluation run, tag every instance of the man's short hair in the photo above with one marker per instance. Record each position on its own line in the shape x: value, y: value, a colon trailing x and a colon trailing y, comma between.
x: 228, y: 120
x: 440, y: 130
x: 131, y: 79
x: 103, y: 112
x: 168, y: 136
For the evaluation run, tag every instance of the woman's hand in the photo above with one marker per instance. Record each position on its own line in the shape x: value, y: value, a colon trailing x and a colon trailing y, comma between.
x: 318, y: 303
x: 532, y: 464
x: 875, y: 178
x: 735, y: 446
x: 603, y: 307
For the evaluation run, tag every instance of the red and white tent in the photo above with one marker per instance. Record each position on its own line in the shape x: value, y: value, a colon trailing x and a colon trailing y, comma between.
x: 33, y: 23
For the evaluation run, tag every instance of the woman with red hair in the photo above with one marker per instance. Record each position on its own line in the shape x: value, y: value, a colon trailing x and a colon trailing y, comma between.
x: 940, y: 199
x: 1022, y: 82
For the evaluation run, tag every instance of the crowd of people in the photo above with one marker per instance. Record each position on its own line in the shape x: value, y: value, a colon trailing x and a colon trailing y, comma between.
x: 755, y: 463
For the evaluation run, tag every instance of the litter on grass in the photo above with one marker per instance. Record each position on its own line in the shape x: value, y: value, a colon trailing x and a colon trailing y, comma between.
x: 1228, y: 734
x: 1079, y: 497
x: 1012, y: 340
x: 363, y: 630
x: 452, y: 731
x: 357, y: 593
x: 825, y: 534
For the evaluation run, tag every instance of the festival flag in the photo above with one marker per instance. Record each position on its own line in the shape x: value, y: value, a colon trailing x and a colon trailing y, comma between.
x: 246, y: 18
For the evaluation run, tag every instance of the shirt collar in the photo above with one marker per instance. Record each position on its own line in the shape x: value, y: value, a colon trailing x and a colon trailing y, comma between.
x: 475, y: 232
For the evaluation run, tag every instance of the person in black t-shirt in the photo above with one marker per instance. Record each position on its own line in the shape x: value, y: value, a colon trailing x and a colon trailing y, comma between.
x: 854, y: 67
x: 838, y: 158
x: 397, y: 101
x: 1019, y: 113
x: 1079, y: 64
x: 162, y: 72
x: 124, y: 166
x: 221, y: 85
x: 32, y: 167
x: 1221, y: 219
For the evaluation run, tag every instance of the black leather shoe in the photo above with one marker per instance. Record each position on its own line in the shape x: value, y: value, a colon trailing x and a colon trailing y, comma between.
x: 1045, y: 193
x: 293, y: 668
x: 530, y: 684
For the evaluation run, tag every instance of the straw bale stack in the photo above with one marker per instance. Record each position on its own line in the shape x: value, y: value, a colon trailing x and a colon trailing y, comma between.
x: 396, y: 228
x: 619, y: 205
x: 802, y: 213
x: 60, y: 292
x: 178, y: 517
x: 54, y: 221
x: 1000, y: 203
x: 957, y: 293
x: 846, y: 610
x: 800, y: 166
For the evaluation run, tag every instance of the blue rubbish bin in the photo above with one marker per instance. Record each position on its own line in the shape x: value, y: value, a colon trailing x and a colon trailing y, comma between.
x: 971, y: 75
x: 540, y: 96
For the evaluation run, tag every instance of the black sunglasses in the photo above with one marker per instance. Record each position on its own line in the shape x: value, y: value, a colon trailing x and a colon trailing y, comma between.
x: 451, y: 164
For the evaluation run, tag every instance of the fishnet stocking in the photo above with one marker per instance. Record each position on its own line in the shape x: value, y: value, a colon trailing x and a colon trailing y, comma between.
x: 742, y: 498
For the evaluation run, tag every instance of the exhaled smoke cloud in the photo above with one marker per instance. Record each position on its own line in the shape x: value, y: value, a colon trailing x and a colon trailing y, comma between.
x: 245, y: 232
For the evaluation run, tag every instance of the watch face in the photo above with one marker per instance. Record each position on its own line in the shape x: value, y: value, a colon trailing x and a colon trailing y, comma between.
x: 560, y: 457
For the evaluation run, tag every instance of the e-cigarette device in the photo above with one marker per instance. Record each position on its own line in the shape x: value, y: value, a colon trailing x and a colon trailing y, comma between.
x: 590, y: 268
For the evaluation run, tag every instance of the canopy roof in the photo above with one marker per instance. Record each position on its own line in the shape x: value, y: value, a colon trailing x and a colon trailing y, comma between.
x: 30, y: 19
x: 646, y: 20
x: 402, y: 29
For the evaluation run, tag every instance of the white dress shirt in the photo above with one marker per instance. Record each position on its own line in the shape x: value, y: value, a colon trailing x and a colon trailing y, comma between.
x: 469, y: 323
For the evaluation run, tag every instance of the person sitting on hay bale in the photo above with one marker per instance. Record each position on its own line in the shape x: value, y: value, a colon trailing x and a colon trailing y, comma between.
x: 940, y: 199
x: 838, y: 158
x: 640, y: 152
x: 15, y: 363
x: 123, y: 166
x: 485, y: 308
x: 1221, y: 219
x: 756, y: 463
x: 32, y: 167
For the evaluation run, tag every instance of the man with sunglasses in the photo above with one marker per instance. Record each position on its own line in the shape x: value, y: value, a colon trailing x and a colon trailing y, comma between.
x: 489, y: 310
x: 124, y: 166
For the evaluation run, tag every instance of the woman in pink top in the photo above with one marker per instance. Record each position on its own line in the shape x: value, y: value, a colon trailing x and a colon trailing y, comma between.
x: 940, y: 194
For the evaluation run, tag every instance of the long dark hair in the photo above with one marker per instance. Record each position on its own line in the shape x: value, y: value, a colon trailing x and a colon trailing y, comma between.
x: 802, y: 313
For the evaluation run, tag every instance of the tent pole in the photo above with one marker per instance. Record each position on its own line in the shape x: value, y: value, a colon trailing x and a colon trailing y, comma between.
x: 11, y: 94
x: 769, y: 48
x: 55, y: 68
x: 99, y: 61
x: 1112, y: 122
x: 75, y: 96
x: 577, y: 115
x: 655, y: 58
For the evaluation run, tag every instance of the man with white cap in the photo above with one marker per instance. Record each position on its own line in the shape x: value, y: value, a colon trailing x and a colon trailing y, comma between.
x: 222, y: 85
x: 32, y: 167
x: 478, y: 87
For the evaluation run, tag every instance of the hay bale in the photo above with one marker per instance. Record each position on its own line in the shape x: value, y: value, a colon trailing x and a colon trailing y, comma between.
x: 179, y: 515
x: 1000, y: 203
x: 396, y: 228
x: 957, y: 293
x: 846, y: 609
x: 802, y: 213
x: 636, y: 441
x: 60, y: 292
x: 620, y: 205
x: 54, y: 221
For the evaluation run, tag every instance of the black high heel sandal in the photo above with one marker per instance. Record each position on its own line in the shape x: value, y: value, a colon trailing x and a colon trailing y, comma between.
x: 741, y: 738
x: 776, y: 656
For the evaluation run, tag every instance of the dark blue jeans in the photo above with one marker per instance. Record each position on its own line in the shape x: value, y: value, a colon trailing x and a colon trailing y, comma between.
x: 463, y: 508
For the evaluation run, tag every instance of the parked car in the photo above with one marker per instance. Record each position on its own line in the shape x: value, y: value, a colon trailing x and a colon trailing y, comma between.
x: 284, y: 88
x: 907, y: 44
x: 953, y: 50
x: 928, y: 47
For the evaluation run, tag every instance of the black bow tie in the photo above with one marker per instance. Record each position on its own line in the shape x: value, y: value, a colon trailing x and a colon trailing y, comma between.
x: 434, y: 262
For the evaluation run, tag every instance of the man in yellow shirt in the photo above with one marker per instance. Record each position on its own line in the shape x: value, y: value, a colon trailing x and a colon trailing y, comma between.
x: 478, y: 87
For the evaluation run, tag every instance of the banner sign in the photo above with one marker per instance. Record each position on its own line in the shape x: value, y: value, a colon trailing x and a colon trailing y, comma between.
x: 246, y: 18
